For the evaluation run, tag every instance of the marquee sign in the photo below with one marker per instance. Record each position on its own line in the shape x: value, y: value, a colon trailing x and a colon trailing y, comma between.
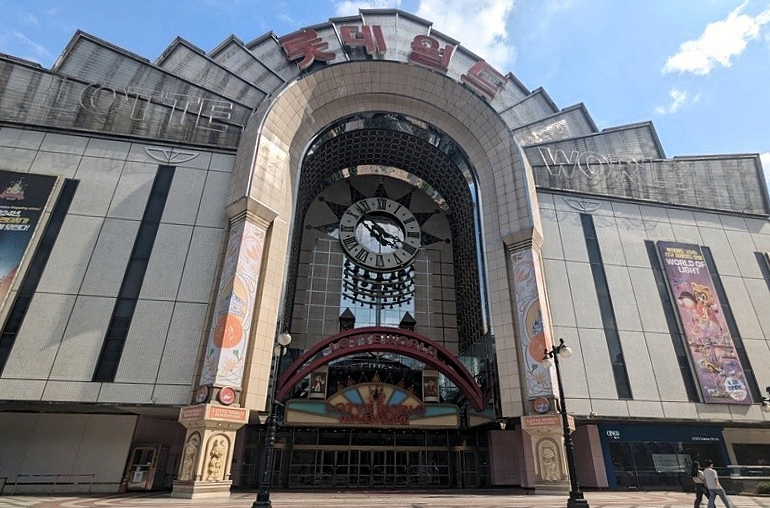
x: 371, y: 405
x: 409, y: 40
x: 395, y: 340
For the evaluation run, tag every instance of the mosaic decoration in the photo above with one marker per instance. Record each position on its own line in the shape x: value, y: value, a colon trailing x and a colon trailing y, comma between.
x: 712, y: 351
x: 533, y: 333
x: 231, y: 326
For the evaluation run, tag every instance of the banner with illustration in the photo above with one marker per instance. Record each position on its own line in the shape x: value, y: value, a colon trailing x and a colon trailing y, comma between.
x: 22, y: 201
x: 709, y: 342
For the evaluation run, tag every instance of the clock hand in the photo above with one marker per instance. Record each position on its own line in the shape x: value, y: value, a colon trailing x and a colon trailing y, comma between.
x: 374, y: 229
x: 390, y: 239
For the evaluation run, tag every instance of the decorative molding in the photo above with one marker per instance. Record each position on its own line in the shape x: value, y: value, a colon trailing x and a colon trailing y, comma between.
x: 170, y: 155
x: 583, y: 205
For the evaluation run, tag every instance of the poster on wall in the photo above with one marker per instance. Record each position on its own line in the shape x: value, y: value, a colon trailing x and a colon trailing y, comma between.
x: 22, y: 201
x: 710, y: 345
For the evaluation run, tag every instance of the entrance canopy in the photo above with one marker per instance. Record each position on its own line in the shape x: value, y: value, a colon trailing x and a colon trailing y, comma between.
x: 383, y: 339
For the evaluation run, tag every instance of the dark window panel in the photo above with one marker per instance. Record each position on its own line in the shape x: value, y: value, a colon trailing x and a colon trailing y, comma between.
x: 123, y: 312
x: 673, y: 324
x: 35, y: 271
x: 732, y: 326
x: 604, y: 300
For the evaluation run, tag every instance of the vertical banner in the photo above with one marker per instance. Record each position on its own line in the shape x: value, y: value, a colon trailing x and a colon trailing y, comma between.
x: 228, y: 340
x: 534, y: 334
x: 22, y: 201
x: 709, y: 342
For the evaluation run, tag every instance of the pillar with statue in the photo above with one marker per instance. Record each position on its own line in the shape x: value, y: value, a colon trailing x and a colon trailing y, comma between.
x: 216, y: 414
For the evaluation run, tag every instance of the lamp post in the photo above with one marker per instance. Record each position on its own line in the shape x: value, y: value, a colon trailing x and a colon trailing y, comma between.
x: 766, y: 401
x: 263, y: 496
x: 576, y: 499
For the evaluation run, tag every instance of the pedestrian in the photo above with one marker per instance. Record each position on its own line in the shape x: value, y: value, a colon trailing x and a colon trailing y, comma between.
x: 700, y: 484
x: 715, y: 488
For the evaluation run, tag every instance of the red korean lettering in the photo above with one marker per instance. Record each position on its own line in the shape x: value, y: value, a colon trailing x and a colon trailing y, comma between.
x: 484, y: 78
x: 427, y: 51
x: 306, y: 45
x: 368, y: 36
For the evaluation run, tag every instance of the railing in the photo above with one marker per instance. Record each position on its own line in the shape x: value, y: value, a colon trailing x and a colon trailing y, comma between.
x: 739, y: 478
x: 747, y: 472
x: 54, y: 480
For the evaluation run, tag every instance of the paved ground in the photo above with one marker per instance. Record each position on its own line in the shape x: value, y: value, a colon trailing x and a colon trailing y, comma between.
x: 380, y: 499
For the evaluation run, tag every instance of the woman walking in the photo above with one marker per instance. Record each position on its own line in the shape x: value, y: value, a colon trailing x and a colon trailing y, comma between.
x: 700, y: 484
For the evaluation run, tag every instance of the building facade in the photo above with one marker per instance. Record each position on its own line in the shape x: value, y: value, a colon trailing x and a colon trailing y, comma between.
x: 420, y: 225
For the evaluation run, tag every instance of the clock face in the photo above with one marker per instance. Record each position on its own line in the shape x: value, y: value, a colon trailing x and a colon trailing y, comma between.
x: 379, y: 233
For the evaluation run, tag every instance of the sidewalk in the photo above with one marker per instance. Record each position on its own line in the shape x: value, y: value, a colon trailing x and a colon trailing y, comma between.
x: 380, y: 499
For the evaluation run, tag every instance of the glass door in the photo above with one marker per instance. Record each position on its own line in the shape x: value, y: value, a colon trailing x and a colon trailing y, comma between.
x: 365, y: 469
x: 469, y: 469
x: 341, y: 468
x: 379, y: 462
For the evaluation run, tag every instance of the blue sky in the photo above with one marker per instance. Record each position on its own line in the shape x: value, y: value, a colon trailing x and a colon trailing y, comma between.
x: 699, y: 69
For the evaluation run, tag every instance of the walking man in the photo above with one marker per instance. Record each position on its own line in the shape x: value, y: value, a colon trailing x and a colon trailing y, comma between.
x: 715, y: 488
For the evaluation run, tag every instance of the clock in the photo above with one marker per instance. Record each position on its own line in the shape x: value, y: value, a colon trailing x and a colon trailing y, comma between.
x: 379, y: 234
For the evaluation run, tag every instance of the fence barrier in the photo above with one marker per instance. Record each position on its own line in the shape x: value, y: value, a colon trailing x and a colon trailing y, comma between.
x: 54, y: 480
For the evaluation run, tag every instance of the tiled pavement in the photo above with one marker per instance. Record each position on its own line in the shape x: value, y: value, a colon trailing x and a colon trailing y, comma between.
x: 380, y: 499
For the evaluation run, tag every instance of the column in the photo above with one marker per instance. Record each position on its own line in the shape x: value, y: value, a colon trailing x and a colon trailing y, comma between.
x: 545, y: 460
x: 216, y: 415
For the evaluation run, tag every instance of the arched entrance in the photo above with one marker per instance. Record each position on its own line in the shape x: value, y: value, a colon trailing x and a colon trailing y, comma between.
x: 365, y: 419
x: 379, y: 203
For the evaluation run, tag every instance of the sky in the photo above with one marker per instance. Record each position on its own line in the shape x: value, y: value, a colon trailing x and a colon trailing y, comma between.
x: 698, y: 69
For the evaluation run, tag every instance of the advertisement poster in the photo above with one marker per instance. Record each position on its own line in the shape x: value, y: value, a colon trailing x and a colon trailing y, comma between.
x: 22, y: 201
x: 712, y: 351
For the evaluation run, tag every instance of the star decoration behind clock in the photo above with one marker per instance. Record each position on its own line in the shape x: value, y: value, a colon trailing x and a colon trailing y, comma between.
x: 379, y: 234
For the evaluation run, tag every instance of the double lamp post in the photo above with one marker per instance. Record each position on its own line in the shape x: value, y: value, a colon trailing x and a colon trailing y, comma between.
x: 551, y: 358
x: 263, y: 496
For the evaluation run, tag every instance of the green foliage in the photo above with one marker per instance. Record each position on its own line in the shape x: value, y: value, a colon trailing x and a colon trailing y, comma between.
x: 763, y: 488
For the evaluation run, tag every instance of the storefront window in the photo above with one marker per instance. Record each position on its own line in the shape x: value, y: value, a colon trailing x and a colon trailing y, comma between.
x: 752, y: 454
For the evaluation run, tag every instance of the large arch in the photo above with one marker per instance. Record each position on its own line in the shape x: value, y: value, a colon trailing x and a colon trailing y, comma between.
x: 381, y: 339
x: 276, y: 138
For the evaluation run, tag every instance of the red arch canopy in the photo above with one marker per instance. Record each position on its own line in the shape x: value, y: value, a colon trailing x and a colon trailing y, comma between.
x: 393, y: 340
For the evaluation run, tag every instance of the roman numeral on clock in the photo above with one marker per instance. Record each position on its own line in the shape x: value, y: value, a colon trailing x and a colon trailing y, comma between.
x: 350, y: 242
x: 362, y: 255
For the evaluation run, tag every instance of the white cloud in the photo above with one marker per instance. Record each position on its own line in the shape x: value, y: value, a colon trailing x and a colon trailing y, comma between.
x: 28, y: 18
x: 679, y: 98
x: 478, y: 24
x: 718, y: 44
x: 16, y: 43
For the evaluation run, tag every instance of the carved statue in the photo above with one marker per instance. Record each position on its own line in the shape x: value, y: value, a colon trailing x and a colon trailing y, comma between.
x: 215, y: 465
x: 188, y: 459
x: 549, y: 466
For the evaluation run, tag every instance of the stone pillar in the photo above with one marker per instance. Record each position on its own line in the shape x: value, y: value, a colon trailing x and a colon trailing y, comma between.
x: 204, y: 470
x: 548, y: 458
x: 533, y: 323
x: 543, y: 432
x: 228, y: 343
x: 212, y: 424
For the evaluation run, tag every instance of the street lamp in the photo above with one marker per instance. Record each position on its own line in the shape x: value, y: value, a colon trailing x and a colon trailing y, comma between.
x: 766, y: 401
x: 576, y: 499
x: 263, y: 496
